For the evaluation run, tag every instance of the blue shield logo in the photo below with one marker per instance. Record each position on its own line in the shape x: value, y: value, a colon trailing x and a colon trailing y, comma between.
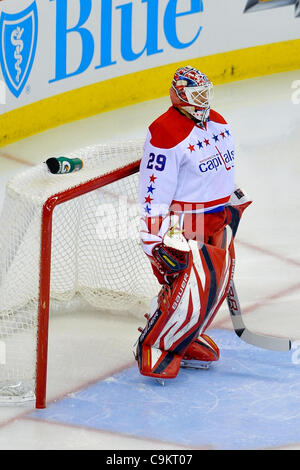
x: 18, y: 33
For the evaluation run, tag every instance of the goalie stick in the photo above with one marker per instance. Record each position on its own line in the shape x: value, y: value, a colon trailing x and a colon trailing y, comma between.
x: 259, y: 340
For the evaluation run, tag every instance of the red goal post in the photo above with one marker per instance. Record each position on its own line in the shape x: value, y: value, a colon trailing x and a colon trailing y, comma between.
x: 32, y: 203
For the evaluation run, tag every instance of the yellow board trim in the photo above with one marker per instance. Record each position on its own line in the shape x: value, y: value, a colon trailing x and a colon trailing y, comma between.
x: 144, y: 85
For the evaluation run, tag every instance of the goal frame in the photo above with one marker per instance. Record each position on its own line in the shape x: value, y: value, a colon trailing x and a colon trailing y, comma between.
x: 45, y: 266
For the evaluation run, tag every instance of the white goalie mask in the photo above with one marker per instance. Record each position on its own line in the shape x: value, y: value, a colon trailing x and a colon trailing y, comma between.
x: 193, y: 92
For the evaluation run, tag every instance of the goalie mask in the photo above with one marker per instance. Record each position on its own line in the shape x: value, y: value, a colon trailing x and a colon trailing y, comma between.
x: 192, y: 91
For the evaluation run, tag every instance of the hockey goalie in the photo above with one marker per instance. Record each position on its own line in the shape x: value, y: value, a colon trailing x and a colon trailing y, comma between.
x: 191, y: 211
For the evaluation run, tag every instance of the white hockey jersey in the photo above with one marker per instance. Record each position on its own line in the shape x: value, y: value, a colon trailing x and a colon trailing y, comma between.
x: 185, y: 167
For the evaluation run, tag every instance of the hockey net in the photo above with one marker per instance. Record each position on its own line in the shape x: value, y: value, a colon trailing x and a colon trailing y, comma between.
x: 85, y: 225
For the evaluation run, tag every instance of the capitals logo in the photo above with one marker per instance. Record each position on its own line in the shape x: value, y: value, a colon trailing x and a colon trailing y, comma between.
x: 217, y: 161
x: 18, y: 46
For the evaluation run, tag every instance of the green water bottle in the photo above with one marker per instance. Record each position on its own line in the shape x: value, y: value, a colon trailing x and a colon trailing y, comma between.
x: 61, y: 165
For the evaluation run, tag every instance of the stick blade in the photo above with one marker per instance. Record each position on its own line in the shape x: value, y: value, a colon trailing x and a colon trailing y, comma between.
x: 264, y: 341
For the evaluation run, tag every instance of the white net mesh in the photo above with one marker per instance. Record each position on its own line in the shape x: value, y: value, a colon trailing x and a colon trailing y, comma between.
x: 96, y: 255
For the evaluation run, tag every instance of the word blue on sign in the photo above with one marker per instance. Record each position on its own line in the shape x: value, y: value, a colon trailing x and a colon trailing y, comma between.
x: 64, y: 32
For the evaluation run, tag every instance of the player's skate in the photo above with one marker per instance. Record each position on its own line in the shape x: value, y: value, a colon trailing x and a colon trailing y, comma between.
x: 201, y: 353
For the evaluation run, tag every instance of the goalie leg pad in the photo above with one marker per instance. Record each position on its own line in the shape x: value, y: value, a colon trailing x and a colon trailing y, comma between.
x: 222, y: 272
x: 187, y: 307
x: 154, y: 362
x: 184, y: 310
x: 200, y: 353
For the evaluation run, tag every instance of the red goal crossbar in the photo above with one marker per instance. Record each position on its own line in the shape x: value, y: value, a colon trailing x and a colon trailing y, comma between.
x: 45, y: 266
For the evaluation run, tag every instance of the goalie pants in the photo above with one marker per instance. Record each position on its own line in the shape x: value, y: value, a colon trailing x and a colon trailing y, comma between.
x: 186, y: 307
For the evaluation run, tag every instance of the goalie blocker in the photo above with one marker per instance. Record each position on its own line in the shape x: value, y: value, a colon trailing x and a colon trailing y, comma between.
x: 197, y: 279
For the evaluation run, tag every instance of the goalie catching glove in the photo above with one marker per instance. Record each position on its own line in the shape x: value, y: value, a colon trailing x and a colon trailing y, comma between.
x: 172, y: 255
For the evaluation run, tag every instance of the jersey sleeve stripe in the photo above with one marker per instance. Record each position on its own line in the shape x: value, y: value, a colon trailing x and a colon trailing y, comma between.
x: 197, y: 207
